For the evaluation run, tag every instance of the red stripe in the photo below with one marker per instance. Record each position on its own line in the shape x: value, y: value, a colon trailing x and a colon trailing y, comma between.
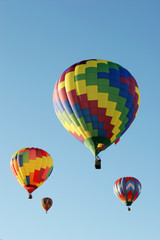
x: 83, y: 101
x: 93, y: 107
x: 109, y: 135
x: 124, y: 80
x: 72, y: 97
x: 63, y: 95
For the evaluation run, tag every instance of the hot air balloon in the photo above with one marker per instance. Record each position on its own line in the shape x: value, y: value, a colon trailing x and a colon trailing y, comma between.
x: 31, y: 167
x: 96, y: 101
x: 46, y: 203
x: 127, y: 189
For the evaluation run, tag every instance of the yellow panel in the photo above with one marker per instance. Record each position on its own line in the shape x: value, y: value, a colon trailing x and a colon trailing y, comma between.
x: 87, y: 134
x: 115, y: 117
x: 92, y: 92
x: 82, y: 132
x: 100, y: 145
x: 111, y: 104
x: 71, y: 127
x: 50, y: 161
x: 102, y: 100
x: 110, y: 108
x: 32, y: 165
x: 91, y: 63
x: 61, y: 85
x: 118, y: 124
x: 80, y: 69
x: 26, y: 167
x: 81, y: 87
x: 22, y: 173
x: 113, y: 138
x: 66, y: 125
x: 44, y: 162
x: 20, y: 178
x: 69, y: 81
x: 39, y: 184
x: 138, y: 92
x: 102, y: 61
x: 110, y: 112
x: 75, y: 129
x: 38, y: 163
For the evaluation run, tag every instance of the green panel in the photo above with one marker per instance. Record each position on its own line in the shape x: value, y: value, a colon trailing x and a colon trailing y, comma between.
x: 25, y: 157
x: 113, y: 90
x: 102, y: 67
x: 89, y: 126
x: 103, y: 81
x: 103, y: 85
x: 113, y: 97
x: 122, y: 127
x: 113, y: 65
x: 124, y: 113
x: 74, y: 120
x: 102, y: 89
x: 83, y: 123
x: 79, y: 77
x: 91, y: 78
x: 93, y: 132
x: 65, y: 116
x: 121, y: 100
x: 119, y: 107
x: 91, y: 70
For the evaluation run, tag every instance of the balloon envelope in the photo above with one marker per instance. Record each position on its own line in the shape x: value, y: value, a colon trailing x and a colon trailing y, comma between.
x: 127, y: 189
x: 96, y: 101
x: 31, y: 167
x: 46, y: 203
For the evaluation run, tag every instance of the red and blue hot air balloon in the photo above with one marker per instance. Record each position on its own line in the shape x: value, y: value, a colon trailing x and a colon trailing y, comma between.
x: 127, y: 189
x: 46, y: 203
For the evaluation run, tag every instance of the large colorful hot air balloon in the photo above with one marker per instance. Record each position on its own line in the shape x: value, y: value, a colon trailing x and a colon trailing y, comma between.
x: 127, y: 189
x: 46, y: 203
x: 96, y: 101
x: 31, y: 167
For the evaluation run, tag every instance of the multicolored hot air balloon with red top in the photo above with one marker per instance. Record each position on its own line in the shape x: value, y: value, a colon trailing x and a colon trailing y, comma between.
x: 127, y: 189
x: 96, y: 101
x: 31, y: 167
x: 46, y: 203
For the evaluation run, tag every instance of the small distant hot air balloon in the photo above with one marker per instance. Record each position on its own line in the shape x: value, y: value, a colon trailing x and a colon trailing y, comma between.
x: 31, y: 167
x: 127, y: 189
x: 46, y: 203
x: 96, y: 101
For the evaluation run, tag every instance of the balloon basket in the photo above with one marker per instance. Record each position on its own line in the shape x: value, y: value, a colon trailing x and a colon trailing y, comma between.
x: 30, y: 196
x: 98, y: 164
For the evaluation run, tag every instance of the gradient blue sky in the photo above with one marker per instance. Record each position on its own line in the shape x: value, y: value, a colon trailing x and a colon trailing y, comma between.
x: 39, y: 39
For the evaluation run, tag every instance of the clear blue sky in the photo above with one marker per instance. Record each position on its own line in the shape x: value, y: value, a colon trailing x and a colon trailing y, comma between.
x: 39, y: 39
